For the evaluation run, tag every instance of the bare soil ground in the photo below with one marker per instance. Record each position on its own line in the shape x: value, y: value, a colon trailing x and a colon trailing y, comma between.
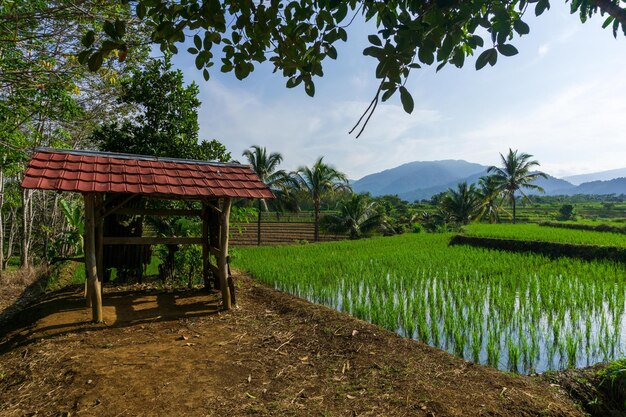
x: 166, y: 353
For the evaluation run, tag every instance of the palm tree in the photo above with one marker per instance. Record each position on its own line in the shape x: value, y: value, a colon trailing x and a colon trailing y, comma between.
x: 515, y: 174
x: 317, y: 181
x: 357, y: 215
x: 491, y: 197
x: 265, y: 167
x: 463, y: 204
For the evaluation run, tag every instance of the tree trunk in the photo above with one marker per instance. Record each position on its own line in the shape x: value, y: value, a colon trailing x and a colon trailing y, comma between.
x: 316, y: 230
x: 1, y: 222
x: 12, y: 234
x: 513, y: 202
x: 27, y: 206
x: 258, y: 223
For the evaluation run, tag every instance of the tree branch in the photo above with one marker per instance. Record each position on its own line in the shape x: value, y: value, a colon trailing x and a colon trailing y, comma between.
x: 608, y: 6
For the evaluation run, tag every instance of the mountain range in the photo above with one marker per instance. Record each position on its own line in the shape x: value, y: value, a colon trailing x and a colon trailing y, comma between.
x: 422, y: 179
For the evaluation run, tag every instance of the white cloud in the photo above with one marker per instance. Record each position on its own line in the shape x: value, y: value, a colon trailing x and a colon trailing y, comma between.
x: 580, y: 129
x: 304, y: 129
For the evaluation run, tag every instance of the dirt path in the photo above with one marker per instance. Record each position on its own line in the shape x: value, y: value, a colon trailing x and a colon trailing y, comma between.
x: 172, y: 354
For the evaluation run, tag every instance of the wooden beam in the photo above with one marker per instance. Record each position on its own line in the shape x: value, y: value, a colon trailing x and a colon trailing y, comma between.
x: 206, y: 271
x: 223, y: 258
x: 116, y: 207
x: 158, y: 212
x: 90, y: 258
x: 120, y: 240
x: 215, y: 251
x: 213, y: 207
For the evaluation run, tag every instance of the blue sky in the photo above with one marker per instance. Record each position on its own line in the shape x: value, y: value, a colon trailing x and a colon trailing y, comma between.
x: 562, y: 99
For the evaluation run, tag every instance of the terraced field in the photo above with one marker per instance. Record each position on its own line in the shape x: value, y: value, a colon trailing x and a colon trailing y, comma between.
x: 535, y: 232
x: 521, y: 312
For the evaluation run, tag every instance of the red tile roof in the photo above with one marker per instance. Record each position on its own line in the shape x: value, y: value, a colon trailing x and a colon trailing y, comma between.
x: 89, y: 171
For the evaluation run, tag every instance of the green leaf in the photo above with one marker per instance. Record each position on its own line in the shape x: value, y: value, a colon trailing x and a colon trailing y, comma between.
x: 206, y: 74
x: 120, y: 28
x: 83, y: 56
x: 309, y: 88
x: 331, y: 52
x: 374, y: 40
x: 109, y: 29
x: 607, y: 22
x: 407, y: 100
x: 483, y: 58
x: 387, y: 94
x: 197, y: 41
x: 507, y: 49
x: 521, y: 27
x: 141, y: 10
x: 374, y: 51
x: 199, y: 61
x: 192, y: 51
x: 426, y: 55
x: 88, y: 39
x: 95, y: 61
x: 542, y: 6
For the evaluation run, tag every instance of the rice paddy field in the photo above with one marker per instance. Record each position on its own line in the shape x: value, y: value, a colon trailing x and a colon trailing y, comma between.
x: 546, y: 234
x: 519, y: 312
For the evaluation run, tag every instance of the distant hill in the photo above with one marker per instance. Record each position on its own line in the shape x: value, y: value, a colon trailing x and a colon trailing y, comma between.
x: 614, y: 186
x: 597, y: 176
x: 422, y: 179
x: 550, y: 185
x: 410, y: 178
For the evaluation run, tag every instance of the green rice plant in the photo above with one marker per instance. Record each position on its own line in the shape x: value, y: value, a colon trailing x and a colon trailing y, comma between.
x: 463, y: 299
x: 613, y: 380
x: 546, y: 234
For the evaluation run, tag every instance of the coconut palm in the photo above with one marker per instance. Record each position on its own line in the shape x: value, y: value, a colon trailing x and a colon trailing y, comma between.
x: 265, y: 167
x: 491, y: 197
x: 318, y: 180
x: 515, y: 175
x: 356, y: 216
x: 463, y: 204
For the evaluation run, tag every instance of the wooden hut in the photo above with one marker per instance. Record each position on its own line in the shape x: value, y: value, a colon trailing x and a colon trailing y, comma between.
x: 123, y: 178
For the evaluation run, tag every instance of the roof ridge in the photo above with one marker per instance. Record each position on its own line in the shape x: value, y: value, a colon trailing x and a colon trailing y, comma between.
x: 118, y: 155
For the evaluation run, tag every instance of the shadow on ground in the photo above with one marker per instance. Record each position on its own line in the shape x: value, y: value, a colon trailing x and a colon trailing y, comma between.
x: 65, y: 310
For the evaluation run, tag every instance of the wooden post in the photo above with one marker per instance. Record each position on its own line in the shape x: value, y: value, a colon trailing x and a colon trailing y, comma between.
x: 205, y: 246
x: 99, y: 224
x: 93, y: 282
x: 223, y: 258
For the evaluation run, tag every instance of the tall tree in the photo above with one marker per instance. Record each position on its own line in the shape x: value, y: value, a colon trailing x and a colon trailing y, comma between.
x: 491, y: 197
x: 266, y: 168
x: 463, y: 204
x: 317, y: 181
x: 515, y: 175
x: 298, y: 37
x: 165, y: 122
x: 46, y: 97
